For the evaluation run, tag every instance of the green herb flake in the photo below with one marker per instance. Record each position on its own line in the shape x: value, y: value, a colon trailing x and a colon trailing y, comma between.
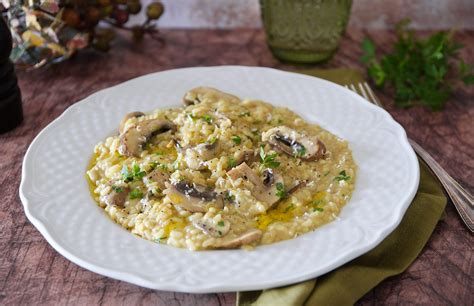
x: 342, y: 176
x: 326, y: 173
x: 153, y: 165
x: 236, y: 139
x: 127, y: 176
x: 300, y: 151
x: 117, y: 189
x: 136, y: 194
x: 268, y: 160
x: 207, y: 118
x: 137, y: 172
x: 191, y: 117
x: 281, y: 193
x: 316, y: 205
x: 231, y: 162
x: 220, y: 223
x: 229, y: 197
x: 212, y: 140
x: 244, y: 114
x: 290, y: 207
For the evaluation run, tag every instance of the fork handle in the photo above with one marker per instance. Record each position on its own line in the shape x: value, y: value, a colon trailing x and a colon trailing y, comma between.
x: 462, y: 199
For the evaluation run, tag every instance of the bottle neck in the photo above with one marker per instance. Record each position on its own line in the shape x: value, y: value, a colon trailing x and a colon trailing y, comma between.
x: 5, y: 41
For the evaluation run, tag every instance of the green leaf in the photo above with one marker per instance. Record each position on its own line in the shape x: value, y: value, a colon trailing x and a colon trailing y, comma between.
x: 117, y: 189
x: 207, y: 118
x: 468, y: 79
x: 136, y: 194
x: 231, y: 162
x: 281, y: 193
x: 342, y: 176
x: 369, y: 50
x: 417, y: 69
x: 236, y: 139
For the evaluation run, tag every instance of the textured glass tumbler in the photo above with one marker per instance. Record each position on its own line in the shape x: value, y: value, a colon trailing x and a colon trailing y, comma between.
x: 304, y: 31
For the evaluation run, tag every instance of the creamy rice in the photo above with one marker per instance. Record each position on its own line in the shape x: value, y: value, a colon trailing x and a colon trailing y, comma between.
x: 221, y: 173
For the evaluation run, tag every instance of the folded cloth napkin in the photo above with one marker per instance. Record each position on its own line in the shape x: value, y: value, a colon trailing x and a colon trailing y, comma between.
x: 348, y: 283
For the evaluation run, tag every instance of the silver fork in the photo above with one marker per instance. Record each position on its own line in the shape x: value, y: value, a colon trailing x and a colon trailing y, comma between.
x: 461, y: 198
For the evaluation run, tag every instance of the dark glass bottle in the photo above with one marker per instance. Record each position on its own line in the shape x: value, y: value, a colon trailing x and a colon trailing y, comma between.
x: 11, y: 112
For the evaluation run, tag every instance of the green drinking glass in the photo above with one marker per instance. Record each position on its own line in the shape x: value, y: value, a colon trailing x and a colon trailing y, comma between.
x: 304, y: 31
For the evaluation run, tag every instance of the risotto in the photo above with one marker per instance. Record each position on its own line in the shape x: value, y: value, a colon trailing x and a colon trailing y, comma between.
x: 221, y: 173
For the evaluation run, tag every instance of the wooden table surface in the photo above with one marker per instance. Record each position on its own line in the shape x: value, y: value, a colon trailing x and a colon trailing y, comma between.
x: 32, y: 272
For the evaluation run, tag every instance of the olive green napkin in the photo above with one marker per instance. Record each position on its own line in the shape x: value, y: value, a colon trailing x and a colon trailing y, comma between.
x: 347, y: 284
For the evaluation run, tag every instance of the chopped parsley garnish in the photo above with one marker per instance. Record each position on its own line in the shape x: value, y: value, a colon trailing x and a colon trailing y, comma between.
x: 316, y: 205
x: 191, y: 117
x: 243, y: 114
x: 137, y: 172
x: 153, y: 165
x: 326, y: 173
x: 268, y: 160
x: 136, y: 194
x: 220, y: 223
x: 236, y: 139
x: 127, y: 176
x: 229, y: 197
x: 281, y: 193
x: 300, y: 150
x: 159, y: 153
x: 207, y: 118
x: 232, y: 162
x: 342, y: 176
x: 212, y: 140
x: 290, y: 207
x: 117, y: 188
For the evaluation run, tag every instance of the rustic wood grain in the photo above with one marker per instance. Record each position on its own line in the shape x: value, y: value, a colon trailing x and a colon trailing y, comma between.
x: 31, y: 272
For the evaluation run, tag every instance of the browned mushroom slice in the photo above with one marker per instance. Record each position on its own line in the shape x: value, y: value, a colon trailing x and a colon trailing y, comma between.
x: 157, y: 176
x: 117, y: 196
x: 128, y: 116
x: 211, y: 228
x: 248, y: 156
x: 134, y: 138
x: 192, y: 197
x: 265, y: 189
x: 295, y: 144
x: 246, y: 238
x: 199, y: 94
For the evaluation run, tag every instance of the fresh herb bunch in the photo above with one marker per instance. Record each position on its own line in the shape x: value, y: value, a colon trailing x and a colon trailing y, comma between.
x: 421, y: 71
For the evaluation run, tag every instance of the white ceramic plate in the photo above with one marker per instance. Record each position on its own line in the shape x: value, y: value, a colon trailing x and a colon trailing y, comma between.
x: 56, y: 197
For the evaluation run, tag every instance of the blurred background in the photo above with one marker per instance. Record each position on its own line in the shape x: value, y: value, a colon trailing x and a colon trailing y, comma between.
x: 369, y: 14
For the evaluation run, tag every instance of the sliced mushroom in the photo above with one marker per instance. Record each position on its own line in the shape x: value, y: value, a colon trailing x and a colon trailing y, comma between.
x: 192, y: 197
x: 248, y: 156
x: 295, y: 144
x: 128, y: 116
x: 134, y: 138
x: 207, y: 150
x: 196, y: 157
x: 199, y: 94
x: 264, y: 190
x: 246, y: 238
x: 117, y: 198
x: 157, y: 176
x: 211, y: 228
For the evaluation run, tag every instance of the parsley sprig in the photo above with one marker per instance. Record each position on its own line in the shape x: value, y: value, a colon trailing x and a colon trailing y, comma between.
x: 268, y: 160
x: 129, y: 175
x: 419, y: 70
x: 342, y: 176
x: 281, y: 193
